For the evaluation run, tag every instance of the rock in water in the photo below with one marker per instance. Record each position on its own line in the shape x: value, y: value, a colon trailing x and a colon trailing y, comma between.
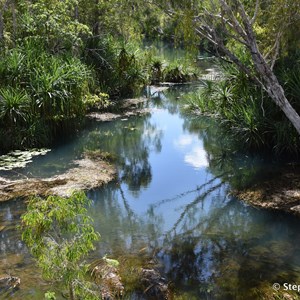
x: 9, y: 283
x: 106, y: 276
x: 156, y: 285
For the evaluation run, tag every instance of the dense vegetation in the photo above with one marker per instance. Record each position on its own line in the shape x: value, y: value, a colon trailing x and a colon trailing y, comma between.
x: 61, y: 58
x: 245, y: 112
x: 259, y: 71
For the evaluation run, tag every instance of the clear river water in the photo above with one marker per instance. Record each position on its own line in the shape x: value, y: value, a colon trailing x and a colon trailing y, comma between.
x: 172, y: 198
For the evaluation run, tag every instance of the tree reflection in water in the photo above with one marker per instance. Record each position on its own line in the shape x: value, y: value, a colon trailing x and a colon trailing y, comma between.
x: 217, y: 247
x: 131, y: 141
x: 210, y: 246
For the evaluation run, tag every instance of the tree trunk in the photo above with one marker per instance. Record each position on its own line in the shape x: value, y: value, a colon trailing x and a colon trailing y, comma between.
x: 276, y: 93
x: 14, y: 19
x: 1, y: 27
x: 76, y: 13
x: 273, y: 87
x: 96, y: 29
x: 71, y: 291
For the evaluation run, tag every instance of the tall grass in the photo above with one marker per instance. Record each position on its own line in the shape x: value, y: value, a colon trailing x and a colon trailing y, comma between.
x: 40, y: 94
x: 253, y: 121
x: 119, y: 67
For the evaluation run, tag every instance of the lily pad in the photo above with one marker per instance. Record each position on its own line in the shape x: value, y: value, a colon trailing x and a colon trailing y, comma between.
x: 19, y: 159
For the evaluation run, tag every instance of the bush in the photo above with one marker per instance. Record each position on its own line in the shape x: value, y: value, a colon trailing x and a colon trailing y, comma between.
x: 59, y: 235
x: 247, y: 113
x: 41, y: 93
x: 119, y: 66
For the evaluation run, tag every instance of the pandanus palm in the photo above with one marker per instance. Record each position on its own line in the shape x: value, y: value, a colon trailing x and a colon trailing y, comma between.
x: 14, y: 106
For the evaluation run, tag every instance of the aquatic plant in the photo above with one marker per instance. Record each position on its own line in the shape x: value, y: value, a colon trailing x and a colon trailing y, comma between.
x: 19, y: 159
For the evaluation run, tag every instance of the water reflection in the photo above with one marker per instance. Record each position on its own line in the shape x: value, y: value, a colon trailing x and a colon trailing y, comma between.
x: 232, y: 252
x: 238, y: 168
x: 171, y: 198
x: 131, y: 141
x: 195, y: 155
x: 122, y: 229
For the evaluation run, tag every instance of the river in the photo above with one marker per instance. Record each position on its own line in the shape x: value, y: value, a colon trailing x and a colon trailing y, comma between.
x: 172, y: 198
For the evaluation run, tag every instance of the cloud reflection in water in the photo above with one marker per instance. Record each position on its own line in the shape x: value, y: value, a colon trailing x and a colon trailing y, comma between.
x: 194, y: 153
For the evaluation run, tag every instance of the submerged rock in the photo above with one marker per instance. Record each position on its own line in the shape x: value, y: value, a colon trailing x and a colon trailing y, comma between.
x: 106, y: 276
x: 280, y: 192
x: 9, y: 283
x: 89, y: 174
x: 128, y: 108
x: 155, y: 285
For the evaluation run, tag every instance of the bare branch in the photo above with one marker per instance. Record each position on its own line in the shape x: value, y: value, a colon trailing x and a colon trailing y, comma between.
x: 203, y: 32
x: 276, y: 46
x: 225, y: 22
x: 246, y: 22
x: 255, y: 12
x: 236, y: 24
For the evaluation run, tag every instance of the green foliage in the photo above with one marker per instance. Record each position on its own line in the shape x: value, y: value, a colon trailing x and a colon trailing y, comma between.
x: 177, y: 70
x: 41, y: 93
x: 111, y: 262
x: 98, y: 102
x: 61, y: 58
x: 291, y: 79
x: 59, y: 235
x: 50, y: 296
x: 53, y: 23
x: 14, y: 106
x: 180, y: 70
x: 58, y: 86
x: 246, y: 112
x: 119, y: 66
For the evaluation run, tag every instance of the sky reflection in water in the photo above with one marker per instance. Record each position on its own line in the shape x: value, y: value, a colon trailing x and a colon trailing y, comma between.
x: 171, y: 197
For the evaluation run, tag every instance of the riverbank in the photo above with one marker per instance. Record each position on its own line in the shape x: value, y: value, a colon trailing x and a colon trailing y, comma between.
x: 128, y: 108
x: 92, y: 171
x: 280, y: 191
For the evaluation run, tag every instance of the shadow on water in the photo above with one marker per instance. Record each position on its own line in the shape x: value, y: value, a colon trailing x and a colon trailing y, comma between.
x: 171, y: 198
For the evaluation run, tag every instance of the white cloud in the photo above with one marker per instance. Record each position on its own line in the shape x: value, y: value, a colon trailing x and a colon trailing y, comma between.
x: 196, y: 158
x: 183, y: 140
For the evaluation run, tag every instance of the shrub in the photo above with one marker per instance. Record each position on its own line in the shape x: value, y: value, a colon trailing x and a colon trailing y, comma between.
x: 41, y: 94
x: 59, y: 235
x: 246, y: 112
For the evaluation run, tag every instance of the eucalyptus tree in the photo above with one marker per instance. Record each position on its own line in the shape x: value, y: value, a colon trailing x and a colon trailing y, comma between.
x: 55, y: 22
x: 232, y: 27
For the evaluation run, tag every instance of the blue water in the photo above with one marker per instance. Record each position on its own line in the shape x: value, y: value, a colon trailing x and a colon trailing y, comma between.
x: 171, y: 197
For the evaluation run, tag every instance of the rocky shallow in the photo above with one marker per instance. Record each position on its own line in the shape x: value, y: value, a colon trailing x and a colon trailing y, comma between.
x: 88, y: 174
x: 281, y: 191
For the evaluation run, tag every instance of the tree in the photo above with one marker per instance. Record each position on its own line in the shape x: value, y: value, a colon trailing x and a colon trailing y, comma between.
x: 59, y: 234
x: 55, y: 22
x: 222, y: 21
